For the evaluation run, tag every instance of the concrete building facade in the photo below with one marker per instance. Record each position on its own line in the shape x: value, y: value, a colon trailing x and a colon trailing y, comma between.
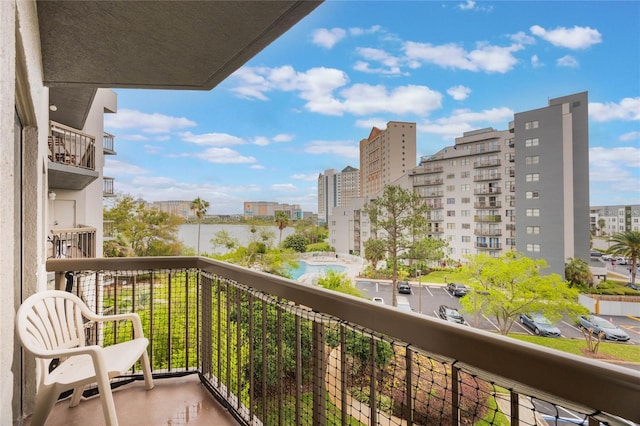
x: 181, y: 208
x: 386, y: 155
x: 523, y: 189
x: 609, y: 220
x: 265, y: 209
x: 336, y: 189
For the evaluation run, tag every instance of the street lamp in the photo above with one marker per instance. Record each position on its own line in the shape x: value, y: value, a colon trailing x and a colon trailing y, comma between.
x: 419, y: 290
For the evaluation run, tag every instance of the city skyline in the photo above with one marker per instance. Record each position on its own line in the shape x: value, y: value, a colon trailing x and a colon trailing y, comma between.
x: 302, y: 105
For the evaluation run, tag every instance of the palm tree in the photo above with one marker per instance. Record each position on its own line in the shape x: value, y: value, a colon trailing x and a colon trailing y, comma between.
x: 282, y: 220
x: 601, y: 224
x: 627, y: 244
x: 200, y: 206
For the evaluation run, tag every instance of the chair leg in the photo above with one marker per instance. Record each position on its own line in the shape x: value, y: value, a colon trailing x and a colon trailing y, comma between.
x: 106, y: 399
x: 45, y: 400
x: 75, y: 398
x: 146, y: 371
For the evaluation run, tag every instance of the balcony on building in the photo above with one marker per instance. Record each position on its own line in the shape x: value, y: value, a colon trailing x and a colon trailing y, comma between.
x: 427, y: 182
x: 219, y: 335
x: 435, y: 218
x: 487, y: 232
x: 512, y: 188
x: 482, y: 177
x: 488, y: 218
x: 108, y: 230
x: 511, y: 142
x: 511, y: 157
x: 435, y: 206
x: 71, y: 157
x: 429, y: 169
x: 488, y: 246
x: 72, y: 243
x: 108, y: 144
x: 433, y: 194
x: 107, y: 187
x: 511, y: 171
x: 495, y: 162
x: 487, y: 204
x: 487, y: 190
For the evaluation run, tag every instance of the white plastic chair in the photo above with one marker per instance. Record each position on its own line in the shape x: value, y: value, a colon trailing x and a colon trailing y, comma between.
x: 49, y: 325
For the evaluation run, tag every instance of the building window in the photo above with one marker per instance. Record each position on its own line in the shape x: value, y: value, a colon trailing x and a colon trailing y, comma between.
x: 451, y: 200
x: 452, y: 162
x: 533, y: 230
x: 533, y: 248
x: 466, y: 239
x: 532, y: 159
x: 465, y: 174
x: 451, y: 176
x: 465, y: 187
x: 451, y: 188
x: 531, y: 142
x: 465, y: 213
x: 451, y: 226
x: 451, y: 213
x: 531, y: 125
x: 466, y: 226
x: 532, y: 195
x: 465, y: 200
x: 533, y: 212
x: 532, y: 177
x: 464, y: 161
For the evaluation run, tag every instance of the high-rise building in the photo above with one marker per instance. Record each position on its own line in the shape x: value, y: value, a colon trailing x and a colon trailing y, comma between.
x: 336, y: 189
x: 523, y: 189
x: 386, y: 155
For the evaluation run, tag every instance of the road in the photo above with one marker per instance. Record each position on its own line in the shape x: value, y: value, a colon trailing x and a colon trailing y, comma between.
x: 434, y: 295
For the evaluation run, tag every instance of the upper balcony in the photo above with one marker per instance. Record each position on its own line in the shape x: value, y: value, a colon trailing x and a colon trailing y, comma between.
x: 494, y: 162
x: 275, y: 351
x: 72, y: 161
x: 107, y: 187
x: 72, y: 243
x: 108, y: 144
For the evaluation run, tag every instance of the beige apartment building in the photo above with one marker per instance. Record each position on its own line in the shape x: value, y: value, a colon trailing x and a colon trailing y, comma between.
x: 609, y: 220
x: 268, y: 209
x: 386, y: 155
x: 181, y: 208
x: 336, y: 189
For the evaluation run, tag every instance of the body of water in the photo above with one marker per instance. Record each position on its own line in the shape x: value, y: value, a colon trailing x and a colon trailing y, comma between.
x: 188, y: 234
x: 305, y: 268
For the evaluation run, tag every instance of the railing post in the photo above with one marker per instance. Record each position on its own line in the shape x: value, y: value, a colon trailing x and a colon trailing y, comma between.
x: 409, y: 388
x: 373, y: 397
x: 207, y: 322
x: 344, y: 408
x: 298, y: 369
x: 319, y: 385
x: 515, y: 408
x: 455, y: 396
x: 280, y: 374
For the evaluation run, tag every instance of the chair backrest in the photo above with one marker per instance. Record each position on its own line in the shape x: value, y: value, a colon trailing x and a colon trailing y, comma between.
x: 48, y: 321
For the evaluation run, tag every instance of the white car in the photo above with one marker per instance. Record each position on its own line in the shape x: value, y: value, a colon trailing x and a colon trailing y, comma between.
x: 378, y: 300
x: 621, y: 261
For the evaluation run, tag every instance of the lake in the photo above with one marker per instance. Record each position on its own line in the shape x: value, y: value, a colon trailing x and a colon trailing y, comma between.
x: 188, y: 234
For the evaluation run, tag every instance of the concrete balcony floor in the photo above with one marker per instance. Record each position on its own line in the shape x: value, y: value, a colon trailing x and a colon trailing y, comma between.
x: 173, y: 401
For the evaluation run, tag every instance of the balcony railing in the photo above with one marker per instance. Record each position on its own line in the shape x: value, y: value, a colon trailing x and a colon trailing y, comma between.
x: 71, y: 147
x: 108, y: 231
x: 275, y: 351
x: 486, y: 163
x: 487, y: 176
x: 487, y: 190
x: 487, y: 246
x: 72, y: 243
x: 108, y: 145
x: 488, y: 205
x: 487, y: 232
x: 488, y: 218
x: 107, y: 187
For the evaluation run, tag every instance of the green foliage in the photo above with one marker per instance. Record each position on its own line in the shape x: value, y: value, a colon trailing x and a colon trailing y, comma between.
x: 507, y: 286
x: 319, y: 247
x: 141, y: 231
x: 296, y: 242
x: 627, y: 244
x: 282, y: 221
x: 577, y: 272
x: 374, y: 251
x: 311, y: 231
x: 223, y: 239
x: 340, y: 282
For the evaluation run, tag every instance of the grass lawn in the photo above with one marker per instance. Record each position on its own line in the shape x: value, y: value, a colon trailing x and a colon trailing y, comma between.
x: 619, y: 351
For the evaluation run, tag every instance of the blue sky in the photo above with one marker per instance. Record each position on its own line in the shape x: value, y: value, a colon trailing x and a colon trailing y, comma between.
x: 302, y: 105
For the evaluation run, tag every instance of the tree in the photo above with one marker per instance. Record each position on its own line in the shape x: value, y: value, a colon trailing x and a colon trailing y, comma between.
x: 311, y: 231
x: 340, y: 282
x: 200, y: 206
x: 627, y: 244
x: 400, y: 214
x: 296, y: 242
x: 505, y: 287
x: 223, y: 239
x: 282, y: 221
x: 141, y: 231
x: 577, y: 272
x: 374, y: 251
x: 601, y: 223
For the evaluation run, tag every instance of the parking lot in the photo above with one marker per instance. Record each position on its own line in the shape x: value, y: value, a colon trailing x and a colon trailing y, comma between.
x: 433, y: 295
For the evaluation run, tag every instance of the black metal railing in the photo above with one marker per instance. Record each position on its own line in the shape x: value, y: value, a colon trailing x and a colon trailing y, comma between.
x: 280, y: 352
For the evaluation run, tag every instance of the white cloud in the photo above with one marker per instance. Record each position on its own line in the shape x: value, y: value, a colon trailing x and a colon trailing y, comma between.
x: 285, y: 187
x: 340, y: 148
x: 469, y: 5
x: 134, y: 138
x: 328, y: 38
x: 369, y: 123
x: 628, y: 110
x: 630, y: 136
x: 464, y: 120
x: 147, y: 123
x: 261, y: 141
x: 361, y: 99
x: 362, y: 31
x: 485, y: 57
x: 535, y: 62
x: 222, y: 156
x: 114, y: 167
x: 391, y: 63
x: 212, y: 139
x: 522, y: 38
x: 283, y: 137
x: 459, y: 93
x: 615, y: 168
x: 257, y: 167
x: 571, y: 38
x: 309, y: 176
x: 567, y: 61
x: 153, y: 149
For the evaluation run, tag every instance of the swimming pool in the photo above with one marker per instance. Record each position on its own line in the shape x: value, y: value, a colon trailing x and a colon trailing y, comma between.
x: 305, y: 268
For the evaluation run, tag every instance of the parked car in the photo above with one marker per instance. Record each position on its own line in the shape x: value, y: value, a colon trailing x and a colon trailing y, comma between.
x: 596, y: 254
x: 599, y: 324
x: 404, y: 287
x: 457, y: 289
x: 621, y: 261
x: 539, y: 324
x: 450, y: 314
x: 607, y: 257
x: 378, y: 300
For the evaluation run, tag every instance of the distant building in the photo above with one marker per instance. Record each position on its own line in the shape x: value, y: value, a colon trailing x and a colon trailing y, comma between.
x: 264, y: 209
x: 386, y: 155
x: 524, y: 189
x: 609, y: 220
x: 179, y: 208
x: 336, y: 189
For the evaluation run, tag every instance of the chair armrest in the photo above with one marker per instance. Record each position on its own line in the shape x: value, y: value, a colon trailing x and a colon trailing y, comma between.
x: 132, y: 316
x: 92, y: 350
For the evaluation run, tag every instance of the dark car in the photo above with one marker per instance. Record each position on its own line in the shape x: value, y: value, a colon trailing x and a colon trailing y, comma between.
x: 599, y: 324
x: 457, y: 289
x: 450, y: 314
x: 596, y: 254
x: 404, y: 287
x: 540, y: 325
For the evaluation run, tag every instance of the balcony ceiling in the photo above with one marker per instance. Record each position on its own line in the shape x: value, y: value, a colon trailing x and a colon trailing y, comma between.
x: 180, y: 45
